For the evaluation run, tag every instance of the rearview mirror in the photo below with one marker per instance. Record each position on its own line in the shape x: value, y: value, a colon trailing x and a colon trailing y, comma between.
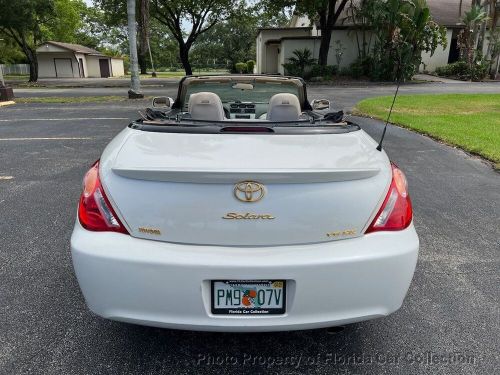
x: 242, y: 86
x: 163, y: 101
x: 320, y: 104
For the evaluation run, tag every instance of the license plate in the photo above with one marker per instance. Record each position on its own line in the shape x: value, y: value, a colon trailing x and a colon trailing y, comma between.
x: 248, y: 297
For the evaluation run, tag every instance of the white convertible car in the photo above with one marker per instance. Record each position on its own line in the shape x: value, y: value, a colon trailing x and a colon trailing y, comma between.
x: 240, y: 206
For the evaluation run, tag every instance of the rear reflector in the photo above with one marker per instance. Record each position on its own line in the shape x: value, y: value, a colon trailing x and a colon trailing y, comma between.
x: 94, y: 210
x: 396, y: 212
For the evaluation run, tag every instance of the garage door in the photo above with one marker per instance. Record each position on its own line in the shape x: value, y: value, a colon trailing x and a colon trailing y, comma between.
x: 64, y: 68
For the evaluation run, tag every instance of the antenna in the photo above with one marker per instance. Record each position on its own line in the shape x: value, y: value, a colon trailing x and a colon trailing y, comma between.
x: 379, y: 147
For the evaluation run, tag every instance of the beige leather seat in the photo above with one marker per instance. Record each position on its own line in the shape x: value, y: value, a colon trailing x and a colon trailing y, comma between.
x: 284, y: 107
x: 206, y: 106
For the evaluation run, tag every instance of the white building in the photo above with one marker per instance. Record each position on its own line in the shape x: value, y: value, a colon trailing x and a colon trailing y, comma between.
x: 66, y: 60
x: 275, y: 45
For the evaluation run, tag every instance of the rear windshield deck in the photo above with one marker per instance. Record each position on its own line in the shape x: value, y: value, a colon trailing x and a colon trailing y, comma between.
x: 302, y: 127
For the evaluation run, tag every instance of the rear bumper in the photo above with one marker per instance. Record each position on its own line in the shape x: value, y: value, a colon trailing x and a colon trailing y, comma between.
x: 168, y: 285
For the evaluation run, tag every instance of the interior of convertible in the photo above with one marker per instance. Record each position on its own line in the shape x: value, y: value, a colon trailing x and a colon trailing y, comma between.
x: 243, y: 98
x: 254, y: 100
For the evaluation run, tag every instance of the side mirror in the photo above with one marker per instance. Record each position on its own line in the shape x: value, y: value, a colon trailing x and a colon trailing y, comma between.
x: 320, y: 104
x: 163, y: 101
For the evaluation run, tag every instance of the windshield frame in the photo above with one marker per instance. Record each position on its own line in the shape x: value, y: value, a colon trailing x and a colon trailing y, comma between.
x: 242, y: 78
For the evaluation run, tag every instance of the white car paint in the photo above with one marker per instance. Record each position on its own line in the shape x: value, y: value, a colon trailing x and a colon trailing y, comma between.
x: 309, y: 195
x: 322, y: 192
x: 167, y: 285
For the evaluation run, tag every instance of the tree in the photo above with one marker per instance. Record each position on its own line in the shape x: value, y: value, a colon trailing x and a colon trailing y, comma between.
x: 10, y: 53
x: 22, y: 21
x: 144, y: 24
x: 201, y: 14
x: 230, y: 41
x: 494, y: 39
x: 468, y: 36
x: 325, y: 12
x: 115, y: 15
x: 135, y: 89
x: 66, y: 21
x: 298, y: 63
x: 402, y: 31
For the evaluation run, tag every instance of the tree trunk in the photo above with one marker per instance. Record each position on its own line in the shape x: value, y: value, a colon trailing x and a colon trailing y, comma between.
x: 142, y: 58
x: 32, y: 61
x: 482, y: 33
x: 326, y: 37
x: 33, y: 70
x: 495, y: 60
x: 184, y: 56
x: 135, y: 84
x: 143, y: 24
x: 328, y: 16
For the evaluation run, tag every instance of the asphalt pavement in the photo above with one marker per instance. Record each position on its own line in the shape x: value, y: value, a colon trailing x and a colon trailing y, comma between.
x: 342, y: 96
x: 449, y: 323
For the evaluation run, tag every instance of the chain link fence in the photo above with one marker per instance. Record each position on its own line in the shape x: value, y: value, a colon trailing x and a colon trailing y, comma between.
x: 15, y: 69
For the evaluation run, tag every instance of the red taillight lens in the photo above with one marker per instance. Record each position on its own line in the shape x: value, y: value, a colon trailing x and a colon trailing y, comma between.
x: 94, y: 210
x: 396, y: 212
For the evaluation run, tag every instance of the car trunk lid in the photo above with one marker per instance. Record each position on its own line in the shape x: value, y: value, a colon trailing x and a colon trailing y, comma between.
x: 203, y: 188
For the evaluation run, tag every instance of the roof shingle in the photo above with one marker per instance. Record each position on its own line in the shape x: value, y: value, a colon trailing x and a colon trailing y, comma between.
x: 76, y: 48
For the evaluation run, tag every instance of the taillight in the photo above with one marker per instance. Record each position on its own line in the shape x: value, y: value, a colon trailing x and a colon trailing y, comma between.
x: 396, y: 212
x: 94, y: 210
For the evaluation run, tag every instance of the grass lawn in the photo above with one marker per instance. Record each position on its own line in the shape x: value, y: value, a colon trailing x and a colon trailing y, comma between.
x: 180, y: 73
x: 469, y: 121
x: 16, y: 77
x: 74, y: 99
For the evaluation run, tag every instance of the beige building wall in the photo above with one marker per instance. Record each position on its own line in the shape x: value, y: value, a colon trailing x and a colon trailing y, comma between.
x: 350, y: 50
x: 268, y: 65
x: 439, y: 58
x: 93, y: 69
x: 347, y: 40
x: 47, y: 66
x: 117, y: 69
x: 84, y: 60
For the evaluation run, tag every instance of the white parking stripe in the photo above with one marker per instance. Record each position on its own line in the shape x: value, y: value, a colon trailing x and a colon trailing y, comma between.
x: 6, y: 177
x: 46, y: 139
x: 64, y: 119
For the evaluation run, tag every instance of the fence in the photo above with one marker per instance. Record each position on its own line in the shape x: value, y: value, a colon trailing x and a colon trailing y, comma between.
x: 15, y: 69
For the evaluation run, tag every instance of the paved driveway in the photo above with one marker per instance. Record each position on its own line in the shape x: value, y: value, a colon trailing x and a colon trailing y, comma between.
x: 342, y: 97
x: 449, y: 323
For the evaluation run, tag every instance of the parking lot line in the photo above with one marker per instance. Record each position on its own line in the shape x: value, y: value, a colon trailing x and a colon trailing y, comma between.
x: 64, y: 119
x: 46, y: 139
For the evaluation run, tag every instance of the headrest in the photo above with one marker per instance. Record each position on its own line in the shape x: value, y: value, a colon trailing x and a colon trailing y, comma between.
x: 206, y: 106
x: 284, y: 107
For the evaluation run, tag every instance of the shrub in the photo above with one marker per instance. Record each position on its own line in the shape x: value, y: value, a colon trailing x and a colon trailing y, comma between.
x: 362, y: 67
x: 299, y: 64
x: 241, y: 67
x: 325, y: 71
x: 402, y: 30
x: 462, y: 70
x: 250, y: 66
x: 292, y: 70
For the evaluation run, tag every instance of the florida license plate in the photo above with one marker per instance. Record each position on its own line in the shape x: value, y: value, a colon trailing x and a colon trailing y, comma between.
x: 248, y: 297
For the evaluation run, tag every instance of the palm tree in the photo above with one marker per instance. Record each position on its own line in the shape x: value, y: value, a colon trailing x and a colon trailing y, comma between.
x: 472, y: 20
x: 302, y: 59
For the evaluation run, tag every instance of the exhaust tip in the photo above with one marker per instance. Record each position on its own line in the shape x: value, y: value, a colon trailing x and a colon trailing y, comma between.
x: 334, y: 330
